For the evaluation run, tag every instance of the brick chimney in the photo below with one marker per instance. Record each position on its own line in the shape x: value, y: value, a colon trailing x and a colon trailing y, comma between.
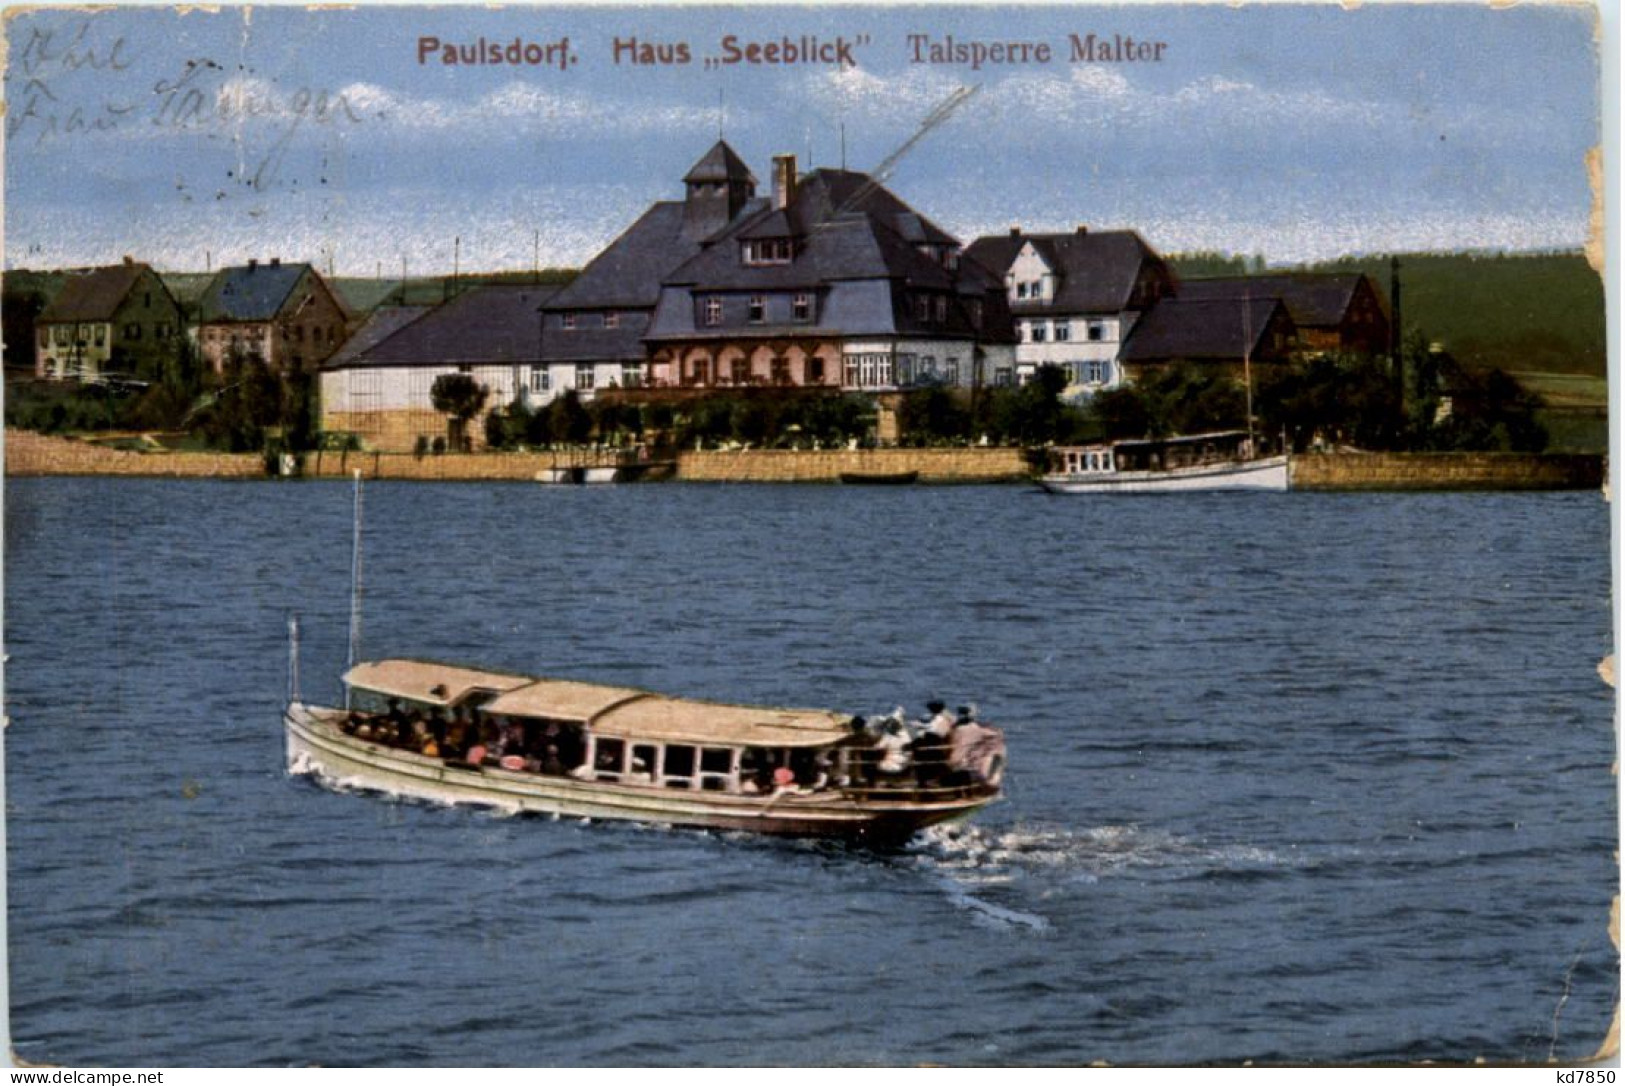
x: 1082, y: 229
x: 253, y: 262
x: 784, y: 181
x: 276, y: 261
x: 128, y: 260
x: 1015, y: 231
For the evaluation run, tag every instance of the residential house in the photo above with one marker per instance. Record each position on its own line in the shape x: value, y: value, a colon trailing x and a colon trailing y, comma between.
x: 1232, y: 333
x: 1339, y: 311
x: 1075, y: 298
x: 283, y: 315
x: 593, y: 330
x: 112, y: 321
x: 833, y: 283
x: 379, y: 385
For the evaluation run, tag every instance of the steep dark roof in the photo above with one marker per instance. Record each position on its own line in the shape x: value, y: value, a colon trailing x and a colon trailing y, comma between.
x: 847, y: 228
x: 491, y: 325
x: 1221, y: 328
x: 628, y: 272
x: 94, y: 294
x: 1097, y: 269
x: 1311, y: 299
x: 720, y: 164
x: 589, y: 344
x: 384, y: 322
x: 249, y: 293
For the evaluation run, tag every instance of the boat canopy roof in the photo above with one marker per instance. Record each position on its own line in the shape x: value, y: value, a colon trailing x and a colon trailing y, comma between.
x: 608, y: 710
x: 1182, y: 439
x: 422, y: 680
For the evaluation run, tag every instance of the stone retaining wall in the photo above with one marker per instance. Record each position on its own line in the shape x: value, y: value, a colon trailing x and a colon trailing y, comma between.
x: 826, y: 466
x: 1447, y: 471
x: 29, y: 453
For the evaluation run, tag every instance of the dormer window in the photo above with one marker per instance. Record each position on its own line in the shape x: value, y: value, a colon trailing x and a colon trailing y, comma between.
x: 612, y: 320
x: 1021, y: 290
x: 567, y: 321
x: 758, y: 309
x: 801, y: 308
x: 942, y: 309
x: 713, y: 311
x: 767, y: 251
x: 922, y: 307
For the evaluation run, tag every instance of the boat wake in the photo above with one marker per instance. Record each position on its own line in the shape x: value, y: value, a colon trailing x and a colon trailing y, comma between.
x: 976, y: 863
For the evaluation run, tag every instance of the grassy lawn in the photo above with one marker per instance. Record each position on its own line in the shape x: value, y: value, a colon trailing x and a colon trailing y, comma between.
x: 1565, y: 389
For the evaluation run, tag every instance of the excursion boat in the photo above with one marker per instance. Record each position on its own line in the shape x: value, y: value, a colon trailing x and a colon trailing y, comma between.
x: 1223, y: 460
x: 583, y: 750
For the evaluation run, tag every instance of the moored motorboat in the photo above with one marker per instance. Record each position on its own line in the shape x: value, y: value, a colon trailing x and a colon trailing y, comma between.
x: 880, y: 478
x: 461, y: 735
x: 1223, y: 460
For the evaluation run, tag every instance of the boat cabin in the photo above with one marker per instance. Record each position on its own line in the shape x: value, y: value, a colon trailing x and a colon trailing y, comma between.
x: 1153, y: 454
x: 609, y: 734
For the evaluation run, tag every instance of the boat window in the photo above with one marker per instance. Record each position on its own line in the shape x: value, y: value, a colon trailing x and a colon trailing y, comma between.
x: 678, y: 770
x: 645, y: 764
x: 716, y: 769
x: 610, y: 759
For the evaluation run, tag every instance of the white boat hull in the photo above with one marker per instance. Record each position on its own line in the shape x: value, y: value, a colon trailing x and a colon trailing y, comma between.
x: 319, y: 749
x: 1270, y: 473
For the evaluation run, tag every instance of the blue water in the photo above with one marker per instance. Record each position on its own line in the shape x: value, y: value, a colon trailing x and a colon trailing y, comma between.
x: 1296, y: 777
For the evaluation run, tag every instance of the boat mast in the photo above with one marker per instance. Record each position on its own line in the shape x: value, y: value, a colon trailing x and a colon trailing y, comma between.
x: 293, y: 659
x: 1247, y: 364
x: 355, y: 587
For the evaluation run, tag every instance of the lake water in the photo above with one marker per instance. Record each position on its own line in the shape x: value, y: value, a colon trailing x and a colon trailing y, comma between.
x: 1293, y: 777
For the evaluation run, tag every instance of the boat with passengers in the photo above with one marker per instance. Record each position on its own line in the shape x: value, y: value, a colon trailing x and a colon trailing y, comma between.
x: 1222, y: 460
x: 461, y: 735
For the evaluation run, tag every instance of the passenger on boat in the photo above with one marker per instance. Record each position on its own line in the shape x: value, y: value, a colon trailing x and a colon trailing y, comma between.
x: 973, y: 751
x: 552, y: 764
x: 893, y: 745
x: 941, y: 723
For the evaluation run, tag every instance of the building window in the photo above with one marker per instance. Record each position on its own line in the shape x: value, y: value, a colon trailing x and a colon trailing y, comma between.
x: 631, y: 374
x: 465, y: 369
x: 976, y: 312
x: 1097, y: 331
x: 1063, y: 331
x: 539, y: 379
x: 1040, y: 331
x: 868, y: 370
x: 101, y: 334
x: 758, y: 309
x: 942, y: 309
x: 802, y: 307
x: 1021, y: 290
x: 132, y: 331
x: 584, y: 375
x: 567, y: 321
x: 781, y: 370
x: 44, y: 337
x: 612, y: 321
x: 950, y: 371
x: 922, y: 307
x: 713, y: 311
x: 768, y: 251
x: 739, y: 371
x: 815, y: 371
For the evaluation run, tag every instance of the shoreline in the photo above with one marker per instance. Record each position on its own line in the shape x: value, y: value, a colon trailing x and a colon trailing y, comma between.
x: 29, y: 454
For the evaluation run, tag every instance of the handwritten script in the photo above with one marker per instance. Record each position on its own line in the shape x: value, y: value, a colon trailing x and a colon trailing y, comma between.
x: 77, y: 80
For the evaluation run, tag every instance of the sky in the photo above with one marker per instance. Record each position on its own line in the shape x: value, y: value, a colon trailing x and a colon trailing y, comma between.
x: 194, y: 139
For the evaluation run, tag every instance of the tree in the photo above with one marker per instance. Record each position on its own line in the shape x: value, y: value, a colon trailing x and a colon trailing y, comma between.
x: 460, y: 397
x: 932, y: 416
x: 568, y: 423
